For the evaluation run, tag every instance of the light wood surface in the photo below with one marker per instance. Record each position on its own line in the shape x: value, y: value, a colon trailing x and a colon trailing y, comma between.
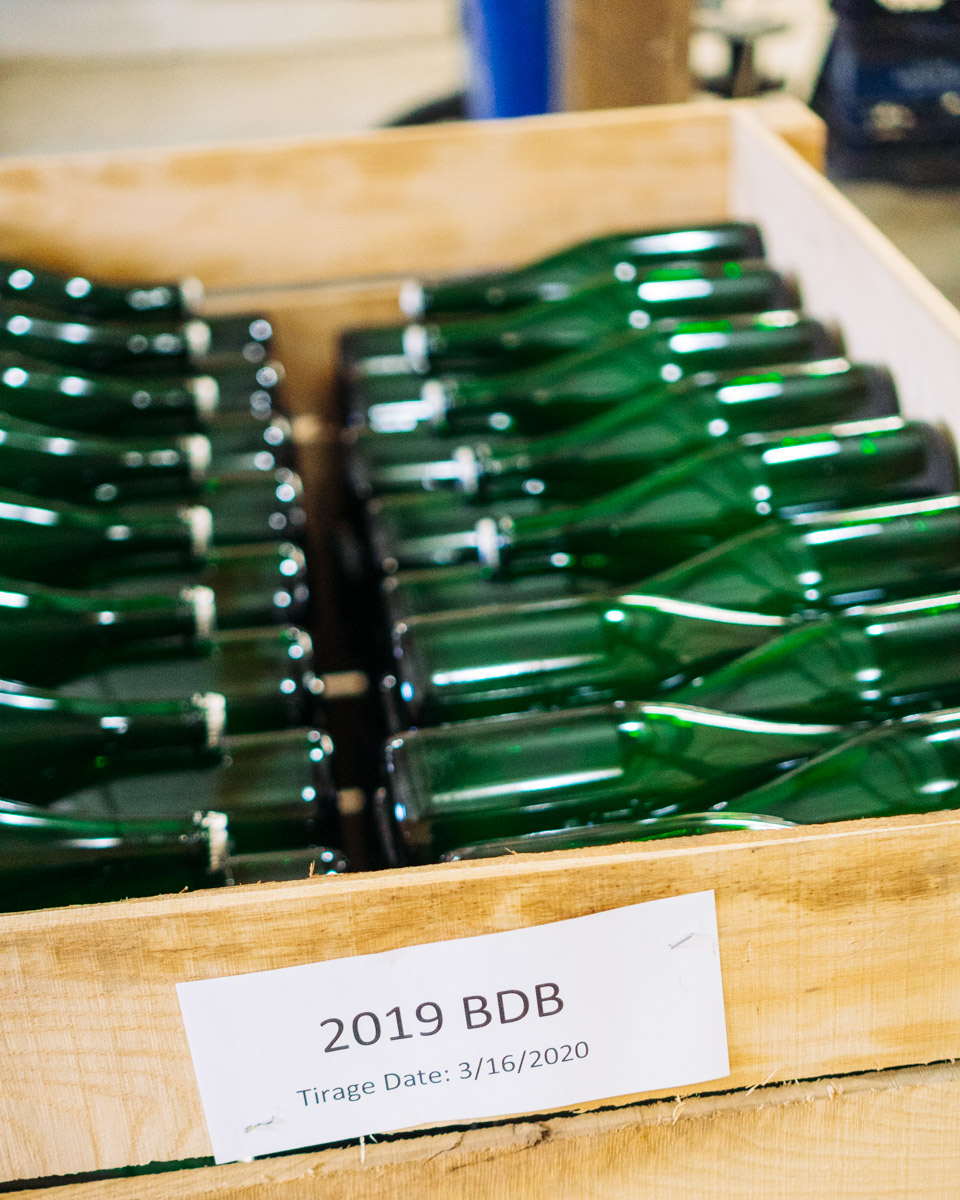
x: 836, y: 948
x: 407, y: 200
x: 620, y: 52
x: 889, y: 1135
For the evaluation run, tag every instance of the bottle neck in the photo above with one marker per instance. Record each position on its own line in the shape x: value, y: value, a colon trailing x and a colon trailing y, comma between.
x: 97, y: 741
x: 256, y: 506
x: 105, y: 403
x: 48, y: 638
x: 32, y: 840
x: 80, y: 297
x: 170, y: 348
x: 906, y: 767
x: 86, y: 470
x: 276, y: 789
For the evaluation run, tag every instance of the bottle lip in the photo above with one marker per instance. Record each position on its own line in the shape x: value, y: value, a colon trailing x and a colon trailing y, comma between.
x: 206, y: 394
x: 203, y: 601
x: 199, y: 454
x: 213, y: 705
x: 191, y: 292
x: 199, y: 521
x: 215, y: 824
x: 413, y: 298
x: 198, y: 337
x: 467, y: 466
x: 435, y: 398
x: 488, y: 542
x: 416, y: 347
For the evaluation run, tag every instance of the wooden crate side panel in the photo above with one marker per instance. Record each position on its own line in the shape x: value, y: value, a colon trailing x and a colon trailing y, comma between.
x: 887, y: 1136
x: 436, y: 198
x: 850, y: 272
x: 836, y: 945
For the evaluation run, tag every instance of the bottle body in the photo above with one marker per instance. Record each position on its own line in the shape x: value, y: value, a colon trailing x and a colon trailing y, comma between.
x: 568, y: 653
x: 486, y: 779
x: 870, y: 663
x: 907, y: 766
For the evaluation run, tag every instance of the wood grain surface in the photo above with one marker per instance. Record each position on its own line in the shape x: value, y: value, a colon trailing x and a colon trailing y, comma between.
x: 836, y: 945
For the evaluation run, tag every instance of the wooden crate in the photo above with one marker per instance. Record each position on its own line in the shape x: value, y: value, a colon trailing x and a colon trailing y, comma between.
x: 835, y: 940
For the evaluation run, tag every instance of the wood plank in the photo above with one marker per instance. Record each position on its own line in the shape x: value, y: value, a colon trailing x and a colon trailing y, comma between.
x: 406, y: 200
x: 889, y: 1135
x: 836, y: 948
x: 393, y: 202
x: 620, y: 53
x: 850, y: 272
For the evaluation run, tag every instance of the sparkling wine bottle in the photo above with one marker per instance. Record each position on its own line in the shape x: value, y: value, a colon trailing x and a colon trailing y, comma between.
x: 483, y: 779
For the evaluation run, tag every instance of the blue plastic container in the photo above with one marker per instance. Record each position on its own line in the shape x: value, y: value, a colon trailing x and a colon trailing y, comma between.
x: 509, y: 57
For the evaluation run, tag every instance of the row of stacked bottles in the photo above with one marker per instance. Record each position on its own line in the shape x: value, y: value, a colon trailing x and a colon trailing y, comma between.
x: 160, y: 707
x: 643, y: 553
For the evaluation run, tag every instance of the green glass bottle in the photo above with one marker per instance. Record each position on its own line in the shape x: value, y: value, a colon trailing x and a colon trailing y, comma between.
x: 503, y: 342
x: 49, y: 636
x: 53, y: 745
x: 696, y: 503
x: 176, y: 347
x: 48, y: 541
x: 906, y: 766
x: 277, y: 790
x: 259, y: 583
x: 78, y: 296
x: 814, y: 561
x: 639, y: 436
x: 87, y: 400
x: 574, y: 387
x: 36, y: 846
x: 85, y: 469
x: 60, y: 544
x: 466, y: 783
x: 57, y: 858
x: 558, y: 274
x: 267, y: 675
x: 581, y: 650
x: 869, y: 663
x: 611, y: 833
x: 523, y: 658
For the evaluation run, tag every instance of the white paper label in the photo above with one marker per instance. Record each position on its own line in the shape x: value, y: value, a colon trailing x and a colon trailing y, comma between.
x: 624, y: 1001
